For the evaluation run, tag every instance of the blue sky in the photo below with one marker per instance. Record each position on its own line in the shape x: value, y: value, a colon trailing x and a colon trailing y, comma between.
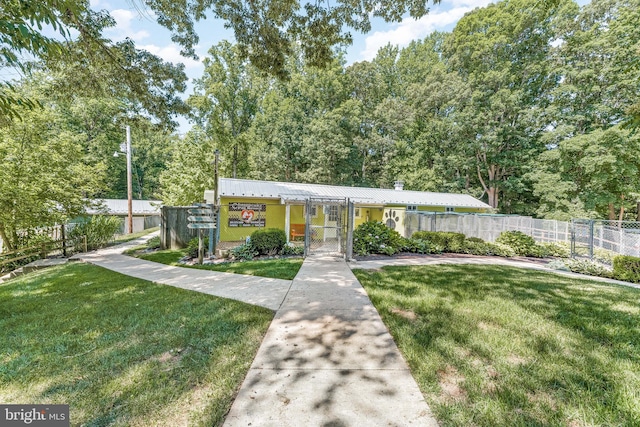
x: 135, y: 22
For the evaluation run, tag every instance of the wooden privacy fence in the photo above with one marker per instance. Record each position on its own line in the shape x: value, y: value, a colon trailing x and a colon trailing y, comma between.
x: 42, y: 250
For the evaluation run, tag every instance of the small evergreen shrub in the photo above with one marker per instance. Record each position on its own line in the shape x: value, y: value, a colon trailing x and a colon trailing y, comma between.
x: 450, y: 242
x: 626, y: 268
x: 269, y: 241
x: 244, y: 252
x: 99, y: 230
x: 521, y: 243
x: 373, y: 237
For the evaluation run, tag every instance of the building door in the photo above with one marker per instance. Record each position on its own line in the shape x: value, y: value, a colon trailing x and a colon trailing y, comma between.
x: 325, y: 231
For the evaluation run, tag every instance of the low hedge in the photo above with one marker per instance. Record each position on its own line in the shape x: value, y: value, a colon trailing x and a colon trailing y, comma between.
x: 521, y: 243
x: 269, y: 241
x: 626, y: 268
x: 448, y: 241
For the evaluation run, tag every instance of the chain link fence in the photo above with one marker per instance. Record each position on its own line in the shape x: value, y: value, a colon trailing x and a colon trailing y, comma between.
x: 486, y: 227
x: 601, y: 240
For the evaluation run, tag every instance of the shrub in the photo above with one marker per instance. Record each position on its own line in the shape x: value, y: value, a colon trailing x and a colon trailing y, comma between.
x: 555, y: 250
x: 473, y: 247
x: 475, y: 240
x: 522, y: 244
x: 626, y: 268
x: 269, y: 241
x: 419, y: 246
x: 244, y: 252
x: 153, y: 243
x: 99, y: 230
x: 192, y: 246
x: 588, y: 267
x: 450, y: 242
x: 373, y: 237
x: 291, y: 249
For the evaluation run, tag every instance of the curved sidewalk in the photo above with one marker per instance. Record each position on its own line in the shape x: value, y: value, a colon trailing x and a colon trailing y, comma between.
x: 328, y: 360
x: 254, y: 290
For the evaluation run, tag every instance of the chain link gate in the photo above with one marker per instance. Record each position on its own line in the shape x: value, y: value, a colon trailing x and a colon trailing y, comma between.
x: 326, y: 226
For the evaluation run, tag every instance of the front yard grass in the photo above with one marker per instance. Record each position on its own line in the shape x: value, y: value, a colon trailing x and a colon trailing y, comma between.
x: 123, y: 351
x: 281, y: 268
x: 501, y: 346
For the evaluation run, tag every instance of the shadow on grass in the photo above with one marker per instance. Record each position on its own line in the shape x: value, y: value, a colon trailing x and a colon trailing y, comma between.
x: 504, y: 346
x: 122, y: 350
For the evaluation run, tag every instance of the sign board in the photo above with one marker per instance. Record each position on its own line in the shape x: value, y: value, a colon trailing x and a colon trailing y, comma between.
x: 200, y: 211
x: 208, y: 218
x: 201, y: 225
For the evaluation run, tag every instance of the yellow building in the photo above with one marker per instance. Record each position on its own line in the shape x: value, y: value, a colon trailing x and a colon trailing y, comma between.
x: 322, y: 212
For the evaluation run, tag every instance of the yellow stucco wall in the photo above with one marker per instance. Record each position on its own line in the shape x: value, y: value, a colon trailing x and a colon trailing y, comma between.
x: 275, y: 214
x: 274, y: 217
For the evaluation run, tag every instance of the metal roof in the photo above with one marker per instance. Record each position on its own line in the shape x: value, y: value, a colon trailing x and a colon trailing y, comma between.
x: 119, y: 207
x: 295, y: 192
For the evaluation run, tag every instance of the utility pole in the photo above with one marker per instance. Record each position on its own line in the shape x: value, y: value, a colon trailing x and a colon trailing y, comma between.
x: 129, y: 183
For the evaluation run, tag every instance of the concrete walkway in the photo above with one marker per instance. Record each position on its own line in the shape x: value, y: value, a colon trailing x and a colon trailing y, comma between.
x: 260, y: 291
x: 328, y: 360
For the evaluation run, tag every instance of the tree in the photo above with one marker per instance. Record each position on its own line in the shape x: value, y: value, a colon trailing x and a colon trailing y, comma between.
x: 501, y: 52
x: 593, y: 174
x: 226, y: 101
x: 46, y: 176
x: 266, y: 30
x: 190, y: 171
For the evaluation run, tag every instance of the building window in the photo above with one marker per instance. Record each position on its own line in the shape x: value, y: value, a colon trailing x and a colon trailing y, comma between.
x: 449, y: 209
x: 356, y: 212
x: 333, y: 213
x: 314, y: 212
x: 412, y: 207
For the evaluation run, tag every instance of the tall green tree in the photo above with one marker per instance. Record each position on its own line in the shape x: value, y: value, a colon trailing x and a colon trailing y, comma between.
x: 225, y: 103
x: 47, y: 176
x: 501, y: 51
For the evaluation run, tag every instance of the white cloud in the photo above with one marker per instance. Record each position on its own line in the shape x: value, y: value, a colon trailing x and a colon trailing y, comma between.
x: 123, y: 26
x: 171, y: 53
x: 411, y: 29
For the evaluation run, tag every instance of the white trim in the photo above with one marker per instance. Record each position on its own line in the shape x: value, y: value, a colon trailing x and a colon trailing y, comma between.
x: 287, y: 221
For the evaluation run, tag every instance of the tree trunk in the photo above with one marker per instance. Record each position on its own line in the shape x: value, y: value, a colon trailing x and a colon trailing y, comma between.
x: 612, y: 212
x: 5, y: 241
x: 235, y: 160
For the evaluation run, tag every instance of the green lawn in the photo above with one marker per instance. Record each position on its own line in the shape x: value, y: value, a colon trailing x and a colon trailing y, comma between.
x: 500, y: 346
x: 123, y: 238
x: 122, y: 351
x: 282, y: 268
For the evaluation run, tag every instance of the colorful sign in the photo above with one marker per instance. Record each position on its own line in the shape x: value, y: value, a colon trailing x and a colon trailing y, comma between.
x: 247, y: 215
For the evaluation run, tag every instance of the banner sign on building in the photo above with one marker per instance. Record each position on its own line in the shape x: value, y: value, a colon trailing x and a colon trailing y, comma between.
x: 247, y: 215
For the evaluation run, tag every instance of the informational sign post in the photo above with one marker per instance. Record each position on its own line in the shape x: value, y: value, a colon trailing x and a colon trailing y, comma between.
x: 201, y: 217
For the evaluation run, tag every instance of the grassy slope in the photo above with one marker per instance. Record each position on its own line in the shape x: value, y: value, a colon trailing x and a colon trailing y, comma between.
x: 499, y: 346
x: 283, y: 268
x: 123, y: 351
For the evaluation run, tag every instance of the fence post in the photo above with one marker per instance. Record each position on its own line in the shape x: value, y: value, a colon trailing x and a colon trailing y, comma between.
x: 591, y: 240
x: 64, y: 240
x: 43, y: 253
x: 84, y: 241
